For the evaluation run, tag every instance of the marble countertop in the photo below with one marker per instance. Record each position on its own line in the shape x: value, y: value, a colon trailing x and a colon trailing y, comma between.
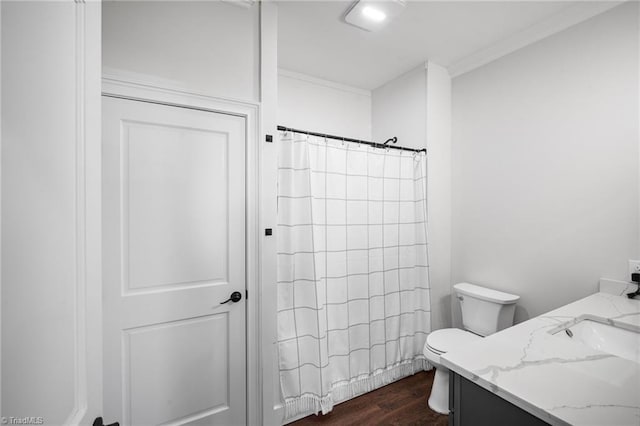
x: 561, y: 381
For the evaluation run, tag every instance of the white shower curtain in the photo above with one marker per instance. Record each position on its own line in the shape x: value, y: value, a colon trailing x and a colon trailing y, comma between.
x: 353, y: 282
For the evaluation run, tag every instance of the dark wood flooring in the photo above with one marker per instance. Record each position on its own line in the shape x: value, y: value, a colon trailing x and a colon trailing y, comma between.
x: 400, y: 403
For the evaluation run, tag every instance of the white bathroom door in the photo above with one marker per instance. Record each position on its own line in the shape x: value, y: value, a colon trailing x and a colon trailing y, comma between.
x: 174, y: 249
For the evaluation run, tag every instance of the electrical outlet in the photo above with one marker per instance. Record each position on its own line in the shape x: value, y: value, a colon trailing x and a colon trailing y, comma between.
x: 634, y: 267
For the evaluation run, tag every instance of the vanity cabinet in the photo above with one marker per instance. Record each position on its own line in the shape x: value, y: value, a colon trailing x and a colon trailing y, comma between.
x: 472, y: 405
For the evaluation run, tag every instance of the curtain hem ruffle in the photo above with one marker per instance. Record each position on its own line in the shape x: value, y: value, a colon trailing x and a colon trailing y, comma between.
x: 309, y: 404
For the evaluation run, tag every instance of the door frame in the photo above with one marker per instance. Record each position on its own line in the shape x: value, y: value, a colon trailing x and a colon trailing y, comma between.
x: 148, y: 89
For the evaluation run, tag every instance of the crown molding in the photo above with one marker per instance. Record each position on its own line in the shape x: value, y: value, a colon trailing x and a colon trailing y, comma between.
x: 571, y: 16
x: 321, y: 82
x: 245, y: 4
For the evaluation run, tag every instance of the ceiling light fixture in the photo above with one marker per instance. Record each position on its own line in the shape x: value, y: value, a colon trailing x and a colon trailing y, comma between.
x: 371, y: 15
x: 374, y: 14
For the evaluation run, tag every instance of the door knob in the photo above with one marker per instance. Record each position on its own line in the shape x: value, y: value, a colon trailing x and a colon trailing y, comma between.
x: 235, y: 297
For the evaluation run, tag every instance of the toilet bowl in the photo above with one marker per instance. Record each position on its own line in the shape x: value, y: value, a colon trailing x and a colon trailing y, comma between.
x: 484, y: 312
x: 438, y: 343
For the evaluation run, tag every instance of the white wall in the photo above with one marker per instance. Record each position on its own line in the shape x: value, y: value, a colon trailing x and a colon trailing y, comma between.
x: 272, y: 412
x: 438, y: 124
x: 545, y: 165
x: 208, y: 47
x: 416, y: 107
x: 38, y: 212
x: 51, y: 295
x: 399, y: 109
x: 309, y: 103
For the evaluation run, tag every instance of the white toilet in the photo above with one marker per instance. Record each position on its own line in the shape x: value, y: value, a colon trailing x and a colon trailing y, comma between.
x: 484, y: 312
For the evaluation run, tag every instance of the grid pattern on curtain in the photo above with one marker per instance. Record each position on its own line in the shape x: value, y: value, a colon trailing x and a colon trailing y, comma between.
x: 353, y: 284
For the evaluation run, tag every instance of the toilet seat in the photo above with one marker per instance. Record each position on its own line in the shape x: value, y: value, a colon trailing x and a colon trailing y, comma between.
x: 449, y: 339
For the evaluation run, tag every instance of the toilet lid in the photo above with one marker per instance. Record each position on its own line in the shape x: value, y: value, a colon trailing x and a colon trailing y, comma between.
x: 449, y: 339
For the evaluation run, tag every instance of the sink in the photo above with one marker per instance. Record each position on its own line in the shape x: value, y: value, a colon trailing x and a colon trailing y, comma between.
x: 601, y: 334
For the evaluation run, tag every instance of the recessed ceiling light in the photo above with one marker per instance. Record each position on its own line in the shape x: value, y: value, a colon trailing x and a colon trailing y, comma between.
x: 371, y: 15
x: 374, y: 14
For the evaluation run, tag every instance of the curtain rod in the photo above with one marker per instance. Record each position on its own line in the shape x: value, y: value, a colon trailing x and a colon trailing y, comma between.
x: 340, y: 138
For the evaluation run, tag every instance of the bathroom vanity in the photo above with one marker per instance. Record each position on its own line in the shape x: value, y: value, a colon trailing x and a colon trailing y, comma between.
x: 576, y: 365
x: 471, y: 404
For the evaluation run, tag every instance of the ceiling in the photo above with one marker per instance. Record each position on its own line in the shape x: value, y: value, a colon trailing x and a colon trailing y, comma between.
x: 460, y: 35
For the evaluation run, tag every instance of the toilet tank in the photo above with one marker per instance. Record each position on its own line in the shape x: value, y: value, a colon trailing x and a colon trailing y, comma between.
x: 485, y: 311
